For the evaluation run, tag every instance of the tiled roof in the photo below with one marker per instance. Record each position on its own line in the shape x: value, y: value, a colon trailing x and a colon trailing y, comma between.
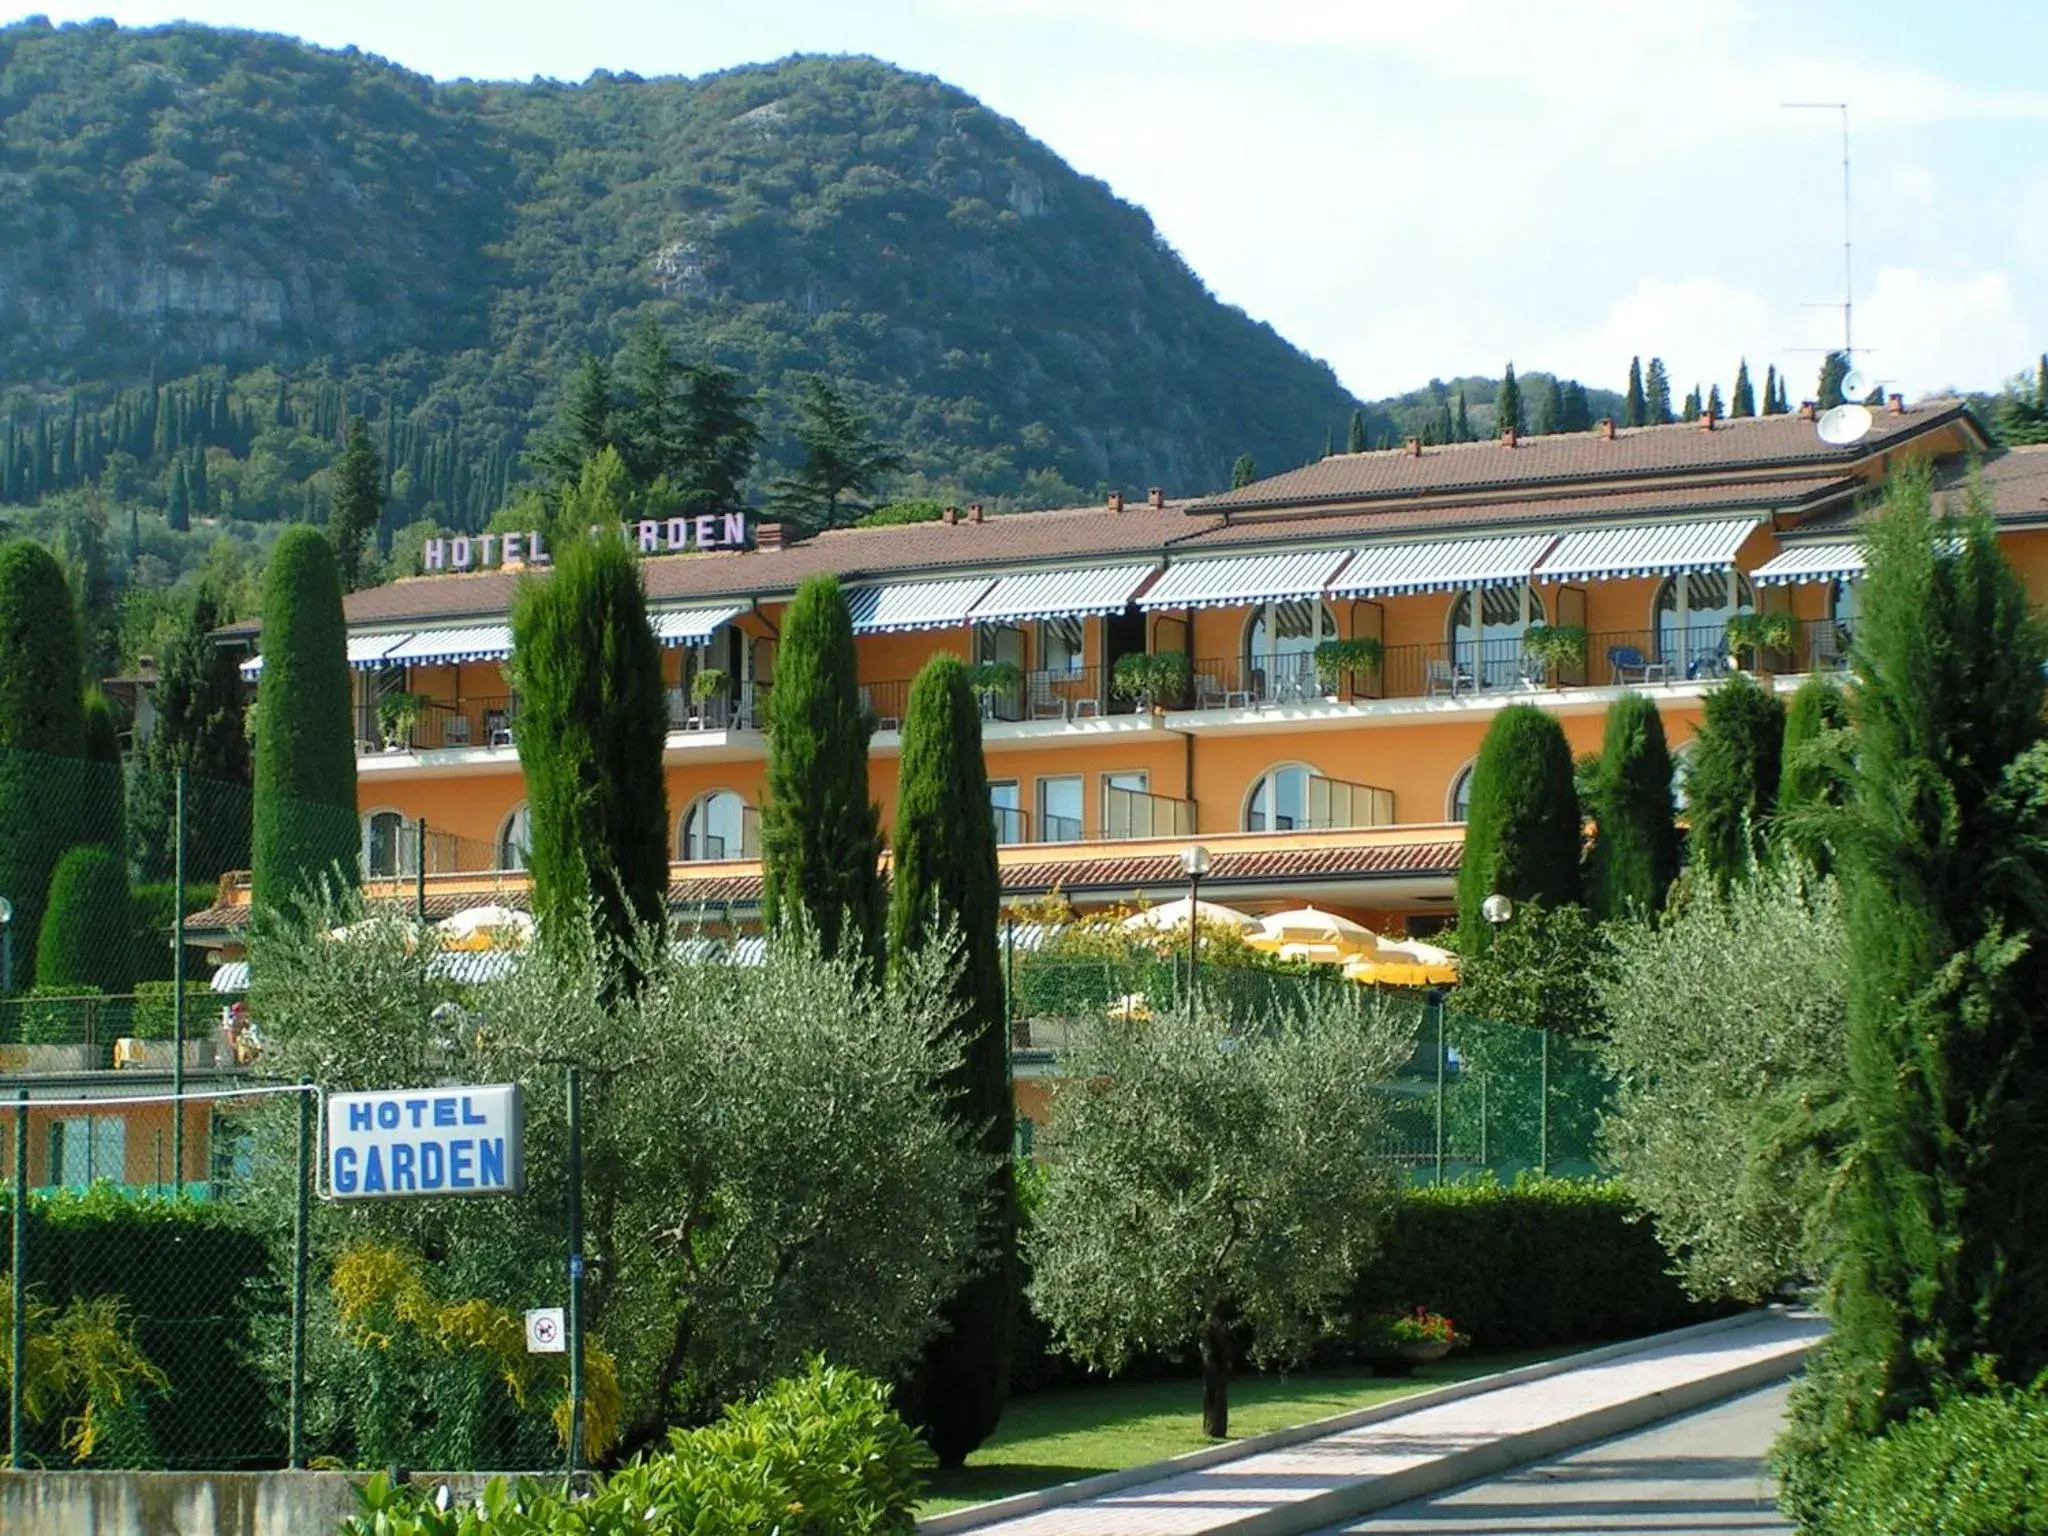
x: 2016, y: 481
x: 1757, y: 442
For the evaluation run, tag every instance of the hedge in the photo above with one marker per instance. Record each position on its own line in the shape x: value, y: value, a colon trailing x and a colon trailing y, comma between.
x: 1973, y: 1465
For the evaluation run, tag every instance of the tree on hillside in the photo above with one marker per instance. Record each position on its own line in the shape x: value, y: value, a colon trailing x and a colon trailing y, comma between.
x: 358, y: 504
x: 1242, y: 473
x: 1657, y: 395
x: 1523, y: 829
x: 1814, y: 768
x: 1507, y: 405
x: 649, y: 414
x: 88, y: 932
x: 1771, y: 390
x: 1463, y: 426
x: 103, y: 797
x: 1742, y: 400
x: 944, y: 888
x: 586, y: 423
x: 1635, y: 842
x: 1551, y: 416
x: 593, y: 721
x: 1833, y: 370
x: 1200, y: 1193
x: 1731, y: 783
x: 305, y: 804
x: 1937, y: 1284
x: 720, y: 440
x: 842, y: 460
x: 1636, y: 408
x: 178, y: 505
x: 201, y: 728
x: 1354, y: 435
x: 820, y: 833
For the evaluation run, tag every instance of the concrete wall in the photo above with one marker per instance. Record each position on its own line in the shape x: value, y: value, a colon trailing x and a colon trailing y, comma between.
x: 180, y: 1503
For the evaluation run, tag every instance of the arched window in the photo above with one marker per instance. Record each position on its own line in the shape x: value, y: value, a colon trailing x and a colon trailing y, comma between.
x: 1280, y: 641
x: 1458, y: 803
x: 1692, y: 620
x: 714, y: 827
x: 515, y: 837
x: 1279, y: 800
x: 1493, y: 657
x: 386, y: 848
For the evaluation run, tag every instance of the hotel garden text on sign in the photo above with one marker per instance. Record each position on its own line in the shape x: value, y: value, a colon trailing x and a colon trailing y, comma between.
x: 651, y: 536
x: 425, y: 1141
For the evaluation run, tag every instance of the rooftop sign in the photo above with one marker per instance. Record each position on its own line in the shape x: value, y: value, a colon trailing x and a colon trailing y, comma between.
x: 651, y: 536
x: 425, y: 1141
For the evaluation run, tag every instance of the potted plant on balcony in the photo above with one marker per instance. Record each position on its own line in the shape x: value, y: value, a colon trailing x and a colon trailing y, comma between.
x: 992, y: 680
x: 397, y: 714
x: 1758, y: 633
x: 1337, y: 659
x: 1553, y: 647
x: 1152, y: 679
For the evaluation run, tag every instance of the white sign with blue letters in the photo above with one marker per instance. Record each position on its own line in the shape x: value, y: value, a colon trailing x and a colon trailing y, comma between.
x: 425, y: 1141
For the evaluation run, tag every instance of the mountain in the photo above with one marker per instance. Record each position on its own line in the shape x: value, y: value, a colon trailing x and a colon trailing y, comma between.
x: 257, y: 236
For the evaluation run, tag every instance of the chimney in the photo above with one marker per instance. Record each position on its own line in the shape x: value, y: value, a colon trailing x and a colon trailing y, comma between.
x: 974, y: 512
x: 1156, y: 499
x: 1806, y: 410
x: 1116, y: 501
x: 1414, y: 447
x: 1607, y: 428
x: 1706, y: 421
x: 950, y: 516
x: 1898, y: 405
x: 1509, y: 438
x: 767, y: 535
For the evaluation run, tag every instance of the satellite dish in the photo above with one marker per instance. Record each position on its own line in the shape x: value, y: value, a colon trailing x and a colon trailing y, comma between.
x: 1857, y: 385
x: 1845, y: 424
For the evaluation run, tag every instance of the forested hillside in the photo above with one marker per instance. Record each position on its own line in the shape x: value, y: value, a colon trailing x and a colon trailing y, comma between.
x: 214, y: 244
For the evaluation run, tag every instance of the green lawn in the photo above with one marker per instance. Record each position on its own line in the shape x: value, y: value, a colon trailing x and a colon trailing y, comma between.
x: 1056, y: 1437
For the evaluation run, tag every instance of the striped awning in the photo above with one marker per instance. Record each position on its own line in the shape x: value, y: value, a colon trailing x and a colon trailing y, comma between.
x: 364, y: 651
x: 1062, y: 594
x: 1442, y: 565
x: 484, y: 642
x: 470, y: 968
x: 1656, y: 549
x: 691, y: 626
x: 915, y: 605
x: 1245, y: 579
x: 1809, y: 562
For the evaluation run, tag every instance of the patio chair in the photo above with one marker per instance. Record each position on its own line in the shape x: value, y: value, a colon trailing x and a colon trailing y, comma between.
x: 1444, y: 676
x: 1627, y: 664
x: 1709, y: 663
x: 1211, y: 694
x: 1830, y: 654
x: 497, y: 728
x: 1046, y: 701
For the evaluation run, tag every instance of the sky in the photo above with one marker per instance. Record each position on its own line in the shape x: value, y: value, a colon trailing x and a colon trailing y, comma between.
x: 1412, y: 191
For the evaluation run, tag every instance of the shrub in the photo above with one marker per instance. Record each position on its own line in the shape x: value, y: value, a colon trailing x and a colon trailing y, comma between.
x: 154, y: 1016
x: 154, y: 906
x: 88, y: 929
x: 53, y: 1015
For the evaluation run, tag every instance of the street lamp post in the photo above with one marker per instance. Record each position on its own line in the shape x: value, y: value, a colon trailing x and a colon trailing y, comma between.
x: 1194, y: 861
x: 6, y: 947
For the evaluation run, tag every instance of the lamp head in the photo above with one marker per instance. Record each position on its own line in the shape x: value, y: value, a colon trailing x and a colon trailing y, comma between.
x: 1496, y: 909
x: 1194, y: 861
x: 6, y: 911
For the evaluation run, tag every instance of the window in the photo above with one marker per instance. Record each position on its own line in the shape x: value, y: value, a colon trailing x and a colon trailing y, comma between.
x: 386, y: 845
x: 1844, y: 598
x: 1458, y: 804
x: 999, y: 642
x: 1126, y: 809
x: 1280, y: 645
x: 1279, y: 801
x: 1060, y: 645
x: 715, y: 827
x: 1006, y: 809
x: 1692, y: 618
x: 1493, y: 657
x: 87, y: 1148
x: 514, y: 838
x: 1060, y: 810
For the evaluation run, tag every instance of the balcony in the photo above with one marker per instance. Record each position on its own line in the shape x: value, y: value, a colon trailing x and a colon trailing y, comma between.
x: 432, y: 725
x: 1132, y: 813
x: 1012, y: 825
x: 732, y: 707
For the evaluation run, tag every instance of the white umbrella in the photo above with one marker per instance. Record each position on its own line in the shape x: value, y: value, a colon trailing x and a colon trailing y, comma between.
x: 487, y: 927
x: 1174, y: 914
x: 1308, y: 926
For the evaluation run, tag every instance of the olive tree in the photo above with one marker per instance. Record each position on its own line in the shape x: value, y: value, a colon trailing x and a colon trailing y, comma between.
x: 1725, y: 1034
x: 1204, y: 1181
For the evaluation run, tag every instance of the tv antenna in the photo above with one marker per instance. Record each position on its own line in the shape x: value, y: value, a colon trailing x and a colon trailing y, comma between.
x: 1848, y: 282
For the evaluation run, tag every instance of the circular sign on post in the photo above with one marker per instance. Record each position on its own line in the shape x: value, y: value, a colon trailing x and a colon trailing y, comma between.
x: 546, y: 1332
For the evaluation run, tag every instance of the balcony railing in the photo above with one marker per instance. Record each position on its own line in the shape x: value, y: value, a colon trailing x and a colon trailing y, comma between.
x: 441, y: 723
x: 735, y: 707
x: 1128, y: 813
x: 712, y: 847
x: 1051, y: 693
x: 1059, y: 829
x: 392, y: 851
x: 1012, y: 825
x: 1339, y: 805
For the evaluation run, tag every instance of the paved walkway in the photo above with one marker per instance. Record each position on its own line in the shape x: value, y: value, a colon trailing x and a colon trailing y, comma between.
x: 1701, y: 1475
x: 1408, y: 1453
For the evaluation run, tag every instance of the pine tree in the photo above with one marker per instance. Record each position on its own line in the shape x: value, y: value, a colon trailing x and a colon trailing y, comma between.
x: 1657, y: 395
x: 1507, y: 405
x: 820, y: 833
x: 305, y: 824
x: 42, y: 719
x: 1523, y: 829
x: 944, y: 881
x: 1732, y: 784
x: 1832, y: 372
x: 593, y: 721
x: 1241, y: 473
x: 842, y: 460
x: 1554, y: 414
x: 719, y: 441
x: 1691, y: 409
x: 1941, y: 1209
x: 87, y: 935
x: 1354, y: 435
x: 586, y: 423
x: 358, y: 504
x: 1635, y: 844
x: 1742, y: 401
x: 199, y: 728
x: 1636, y: 408
x: 650, y: 419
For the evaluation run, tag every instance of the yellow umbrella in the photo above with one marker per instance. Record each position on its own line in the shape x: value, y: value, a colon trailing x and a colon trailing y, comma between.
x: 487, y: 927
x: 1403, y: 963
x: 1132, y: 1006
x: 1306, y: 925
x: 1174, y: 914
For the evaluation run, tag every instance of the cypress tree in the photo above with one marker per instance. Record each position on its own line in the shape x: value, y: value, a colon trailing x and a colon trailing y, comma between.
x: 1464, y: 421
x: 1657, y: 395
x: 305, y: 802
x: 42, y: 717
x: 358, y: 504
x: 1635, y: 841
x: 1329, y: 442
x: 943, y: 874
x: 1713, y: 401
x: 1732, y: 786
x: 820, y: 833
x: 1771, y: 390
x: 1507, y: 405
x: 103, y: 801
x: 199, y: 727
x: 1833, y: 370
x: 1742, y: 400
x: 87, y: 937
x: 1636, y: 408
x: 1578, y: 409
x: 1814, y: 768
x: 1241, y: 473
x: 1555, y: 414
x: 1942, y: 1209
x: 593, y: 721
x: 1523, y: 830
x: 1691, y: 410
x: 1354, y: 435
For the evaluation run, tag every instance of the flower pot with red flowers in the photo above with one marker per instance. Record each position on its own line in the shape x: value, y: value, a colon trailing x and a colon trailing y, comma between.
x: 1394, y: 1343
